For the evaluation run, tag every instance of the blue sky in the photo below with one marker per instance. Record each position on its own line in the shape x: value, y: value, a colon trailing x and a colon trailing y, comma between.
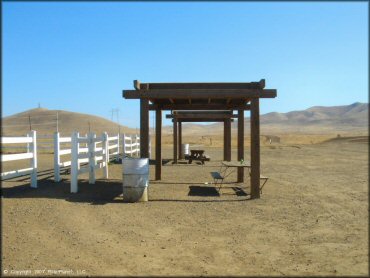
x: 80, y: 56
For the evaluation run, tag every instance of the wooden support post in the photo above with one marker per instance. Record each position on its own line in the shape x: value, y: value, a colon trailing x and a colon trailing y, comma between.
x: 240, y: 143
x: 227, y: 140
x: 255, y: 149
x: 158, y: 144
x: 144, y: 128
x: 33, y: 150
x: 174, y: 141
x: 56, y: 157
x: 181, y: 155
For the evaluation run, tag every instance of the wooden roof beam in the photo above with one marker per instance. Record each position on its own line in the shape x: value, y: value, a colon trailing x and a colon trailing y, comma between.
x: 179, y: 106
x: 201, y: 120
x: 206, y: 85
x: 200, y: 94
x: 200, y: 116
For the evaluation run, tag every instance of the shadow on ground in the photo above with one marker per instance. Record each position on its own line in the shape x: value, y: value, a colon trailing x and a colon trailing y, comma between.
x: 103, y: 192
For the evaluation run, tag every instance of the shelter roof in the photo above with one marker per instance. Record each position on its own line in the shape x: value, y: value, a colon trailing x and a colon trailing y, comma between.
x: 199, y: 96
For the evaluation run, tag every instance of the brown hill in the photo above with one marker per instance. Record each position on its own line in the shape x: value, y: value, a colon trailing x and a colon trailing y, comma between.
x: 315, y: 120
x: 45, y: 121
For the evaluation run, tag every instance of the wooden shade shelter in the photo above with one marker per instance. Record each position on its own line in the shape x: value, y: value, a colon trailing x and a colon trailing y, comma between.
x: 178, y: 117
x: 203, y: 96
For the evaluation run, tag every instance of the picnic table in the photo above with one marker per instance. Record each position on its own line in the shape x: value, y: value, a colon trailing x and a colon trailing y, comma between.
x: 232, y: 165
x: 197, y: 155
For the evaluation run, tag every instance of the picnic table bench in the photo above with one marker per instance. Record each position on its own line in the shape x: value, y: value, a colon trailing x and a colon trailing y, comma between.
x: 197, y: 155
x: 219, y: 177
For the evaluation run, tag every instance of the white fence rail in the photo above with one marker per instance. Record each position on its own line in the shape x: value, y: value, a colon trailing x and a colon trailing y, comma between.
x: 113, y: 147
x: 97, y: 157
x: 131, y: 145
x: 31, y: 154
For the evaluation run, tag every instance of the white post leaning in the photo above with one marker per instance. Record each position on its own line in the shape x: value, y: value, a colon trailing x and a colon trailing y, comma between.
x: 33, y: 149
x: 56, y: 157
x: 74, y: 163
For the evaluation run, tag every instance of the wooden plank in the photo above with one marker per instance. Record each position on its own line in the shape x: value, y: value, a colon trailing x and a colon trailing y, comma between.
x: 202, y: 120
x: 194, y: 106
x: 255, y: 149
x: 144, y: 128
x: 200, y: 94
x: 175, y: 141
x: 227, y: 140
x: 240, y: 143
x: 202, y: 116
x: 207, y: 85
x: 158, y: 144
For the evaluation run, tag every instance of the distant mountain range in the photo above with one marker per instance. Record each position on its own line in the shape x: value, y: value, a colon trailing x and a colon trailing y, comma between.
x: 355, y: 114
x: 315, y: 120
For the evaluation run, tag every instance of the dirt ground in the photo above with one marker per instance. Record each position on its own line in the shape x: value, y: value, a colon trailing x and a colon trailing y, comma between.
x: 312, y: 219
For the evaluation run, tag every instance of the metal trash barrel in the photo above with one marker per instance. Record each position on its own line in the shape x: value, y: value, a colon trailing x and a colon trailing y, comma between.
x: 135, y: 179
x: 185, y: 150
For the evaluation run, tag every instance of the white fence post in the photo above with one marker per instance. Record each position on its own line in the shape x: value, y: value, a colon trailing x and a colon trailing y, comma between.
x: 117, y: 157
x: 92, y: 158
x: 74, y: 162
x: 131, y: 140
x: 105, y: 145
x: 123, y: 145
x: 56, y: 157
x: 33, y: 149
x: 136, y: 144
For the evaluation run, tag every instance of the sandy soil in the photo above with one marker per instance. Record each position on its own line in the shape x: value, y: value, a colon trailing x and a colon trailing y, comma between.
x: 312, y: 219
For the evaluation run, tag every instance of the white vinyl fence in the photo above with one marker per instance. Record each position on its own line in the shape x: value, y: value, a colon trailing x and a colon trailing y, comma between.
x: 30, y: 154
x: 97, y: 157
x: 131, y: 145
x: 113, y: 147
x: 58, y: 152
